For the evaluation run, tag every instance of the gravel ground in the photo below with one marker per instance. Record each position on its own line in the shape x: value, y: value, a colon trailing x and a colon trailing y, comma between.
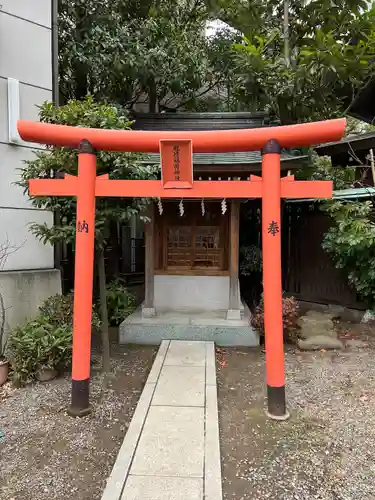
x: 45, y: 454
x: 325, y: 450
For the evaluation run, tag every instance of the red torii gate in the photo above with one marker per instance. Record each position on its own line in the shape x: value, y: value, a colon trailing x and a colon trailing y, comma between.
x: 177, y: 182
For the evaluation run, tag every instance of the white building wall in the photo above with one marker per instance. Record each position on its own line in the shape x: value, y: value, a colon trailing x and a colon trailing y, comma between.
x: 26, y: 56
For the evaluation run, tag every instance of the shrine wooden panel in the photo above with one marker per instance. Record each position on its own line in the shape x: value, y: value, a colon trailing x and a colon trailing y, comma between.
x: 194, y: 243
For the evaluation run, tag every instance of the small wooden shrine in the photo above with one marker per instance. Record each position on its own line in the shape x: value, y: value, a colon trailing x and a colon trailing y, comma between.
x: 192, y: 247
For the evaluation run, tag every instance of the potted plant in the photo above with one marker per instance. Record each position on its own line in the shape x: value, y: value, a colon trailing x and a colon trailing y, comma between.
x: 4, y: 363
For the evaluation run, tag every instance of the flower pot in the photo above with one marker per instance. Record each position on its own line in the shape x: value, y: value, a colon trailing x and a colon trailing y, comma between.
x: 4, y: 370
x: 46, y: 374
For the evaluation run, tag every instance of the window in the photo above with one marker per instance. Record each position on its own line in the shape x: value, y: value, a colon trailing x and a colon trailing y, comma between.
x: 179, y: 247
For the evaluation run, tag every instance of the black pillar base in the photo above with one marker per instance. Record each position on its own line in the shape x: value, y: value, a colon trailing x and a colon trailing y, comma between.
x: 276, y: 403
x: 80, y: 405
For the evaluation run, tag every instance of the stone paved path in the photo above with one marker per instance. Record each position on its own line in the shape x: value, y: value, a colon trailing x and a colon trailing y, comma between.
x: 171, y: 450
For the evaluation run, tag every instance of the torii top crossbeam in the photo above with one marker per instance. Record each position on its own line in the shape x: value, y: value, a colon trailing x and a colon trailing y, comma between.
x: 218, y: 141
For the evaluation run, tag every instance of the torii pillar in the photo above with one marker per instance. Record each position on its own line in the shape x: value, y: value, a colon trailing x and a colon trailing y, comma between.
x: 272, y: 281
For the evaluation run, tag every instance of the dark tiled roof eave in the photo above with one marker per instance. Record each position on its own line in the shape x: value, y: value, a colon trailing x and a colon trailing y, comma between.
x: 352, y: 142
x: 351, y: 151
x: 247, y: 158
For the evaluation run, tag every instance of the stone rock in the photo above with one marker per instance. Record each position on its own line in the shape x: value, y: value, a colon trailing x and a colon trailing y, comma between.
x: 320, y: 315
x: 368, y: 317
x: 316, y: 323
x: 356, y: 344
x: 319, y: 342
x: 336, y: 311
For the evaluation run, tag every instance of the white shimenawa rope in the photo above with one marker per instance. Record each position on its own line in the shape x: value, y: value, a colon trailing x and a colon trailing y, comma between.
x: 181, y: 208
x: 224, y: 206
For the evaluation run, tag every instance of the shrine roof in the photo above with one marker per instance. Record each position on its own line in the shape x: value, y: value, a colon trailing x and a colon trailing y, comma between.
x: 215, y: 121
x: 351, y: 151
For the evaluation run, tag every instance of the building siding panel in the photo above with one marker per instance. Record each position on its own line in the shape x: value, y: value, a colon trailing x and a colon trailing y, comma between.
x: 37, y: 12
x: 26, y: 251
x: 25, y: 51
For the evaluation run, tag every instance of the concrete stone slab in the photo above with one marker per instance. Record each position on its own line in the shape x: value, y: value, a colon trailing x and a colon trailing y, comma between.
x: 180, y: 386
x: 188, y: 325
x: 151, y: 334
x: 171, y: 444
x: 219, y: 322
x: 163, y: 488
x: 186, y: 354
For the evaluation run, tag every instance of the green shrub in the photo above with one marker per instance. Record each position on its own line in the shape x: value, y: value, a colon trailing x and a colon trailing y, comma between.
x: 290, y: 318
x: 120, y: 302
x: 350, y: 241
x: 38, y: 344
x: 250, y: 260
x: 58, y: 311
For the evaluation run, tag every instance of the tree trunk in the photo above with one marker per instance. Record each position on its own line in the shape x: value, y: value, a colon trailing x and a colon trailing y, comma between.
x: 104, y: 312
x: 80, y: 68
x: 286, y: 33
x: 152, y: 98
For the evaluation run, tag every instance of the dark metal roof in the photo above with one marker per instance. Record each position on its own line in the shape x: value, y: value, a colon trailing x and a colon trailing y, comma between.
x: 349, y: 150
x: 199, y: 121
x: 363, y: 106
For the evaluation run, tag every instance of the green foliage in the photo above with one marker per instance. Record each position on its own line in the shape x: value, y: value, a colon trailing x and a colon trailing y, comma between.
x: 134, y: 52
x: 155, y: 53
x: 332, y: 49
x: 351, y: 243
x: 290, y: 318
x: 38, y: 344
x: 58, y: 311
x: 86, y: 113
x: 320, y: 168
x: 250, y: 260
x: 120, y: 302
x: 45, y: 342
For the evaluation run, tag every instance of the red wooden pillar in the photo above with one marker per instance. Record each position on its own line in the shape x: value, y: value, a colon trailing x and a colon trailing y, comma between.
x: 83, y: 279
x: 272, y: 285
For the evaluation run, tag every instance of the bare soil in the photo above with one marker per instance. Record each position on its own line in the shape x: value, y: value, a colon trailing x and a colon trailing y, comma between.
x: 326, y: 449
x: 45, y: 454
